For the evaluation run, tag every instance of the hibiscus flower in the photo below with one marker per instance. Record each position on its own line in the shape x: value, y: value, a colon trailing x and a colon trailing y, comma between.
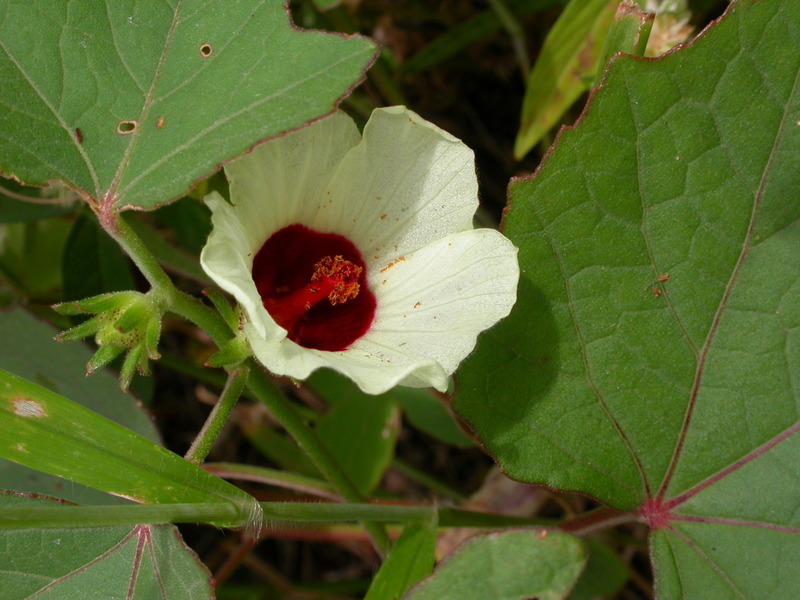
x: 358, y: 253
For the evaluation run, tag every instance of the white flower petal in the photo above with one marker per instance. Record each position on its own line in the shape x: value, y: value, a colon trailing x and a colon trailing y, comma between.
x: 282, y: 181
x: 431, y: 309
x: 228, y: 259
x: 404, y: 185
x: 434, y: 303
x: 371, y: 373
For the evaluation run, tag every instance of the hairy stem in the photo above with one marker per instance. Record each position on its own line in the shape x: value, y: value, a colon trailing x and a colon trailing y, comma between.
x: 164, y: 291
x: 219, y: 416
x: 59, y: 515
x: 118, y: 228
x: 20, y: 517
x: 205, y: 317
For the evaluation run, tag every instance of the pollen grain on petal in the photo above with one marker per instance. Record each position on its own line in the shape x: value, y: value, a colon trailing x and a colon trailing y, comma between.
x: 393, y: 263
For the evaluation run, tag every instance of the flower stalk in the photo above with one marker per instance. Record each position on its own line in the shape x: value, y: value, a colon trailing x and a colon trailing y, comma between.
x: 219, y: 416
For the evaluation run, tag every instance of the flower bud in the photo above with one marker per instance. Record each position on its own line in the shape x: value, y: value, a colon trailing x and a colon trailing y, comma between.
x: 123, y: 322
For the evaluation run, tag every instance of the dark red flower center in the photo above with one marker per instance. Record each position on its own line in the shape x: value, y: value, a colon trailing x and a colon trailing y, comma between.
x: 314, y: 285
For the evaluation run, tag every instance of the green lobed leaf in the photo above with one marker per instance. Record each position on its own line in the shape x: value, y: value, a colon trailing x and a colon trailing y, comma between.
x: 139, y: 563
x: 513, y: 565
x: 49, y: 433
x: 130, y: 102
x: 652, y: 358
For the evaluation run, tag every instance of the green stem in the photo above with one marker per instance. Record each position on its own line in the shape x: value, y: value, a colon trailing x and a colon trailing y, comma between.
x: 283, y: 411
x: 60, y: 515
x: 219, y: 416
x: 331, y: 512
x: 203, y: 316
x: 17, y: 517
x: 132, y: 244
x: 274, y: 477
x: 164, y: 291
x: 457, y: 517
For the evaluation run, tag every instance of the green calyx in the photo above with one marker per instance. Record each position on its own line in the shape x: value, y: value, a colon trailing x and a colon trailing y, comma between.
x: 235, y: 350
x: 123, y: 322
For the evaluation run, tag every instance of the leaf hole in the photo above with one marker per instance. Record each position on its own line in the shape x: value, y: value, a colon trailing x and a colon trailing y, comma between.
x: 206, y: 50
x: 126, y: 127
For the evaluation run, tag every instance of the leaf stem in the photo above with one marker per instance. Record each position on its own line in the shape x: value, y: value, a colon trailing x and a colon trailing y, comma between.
x: 205, y: 317
x: 324, y: 512
x: 67, y: 515
x: 118, y: 228
x: 20, y: 517
x: 164, y: 291
x: 219, y: 416
x: 598, y: 520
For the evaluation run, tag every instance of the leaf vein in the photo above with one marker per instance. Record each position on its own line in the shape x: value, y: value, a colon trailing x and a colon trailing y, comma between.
x: 214, y: 126
x: 59, y: 119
